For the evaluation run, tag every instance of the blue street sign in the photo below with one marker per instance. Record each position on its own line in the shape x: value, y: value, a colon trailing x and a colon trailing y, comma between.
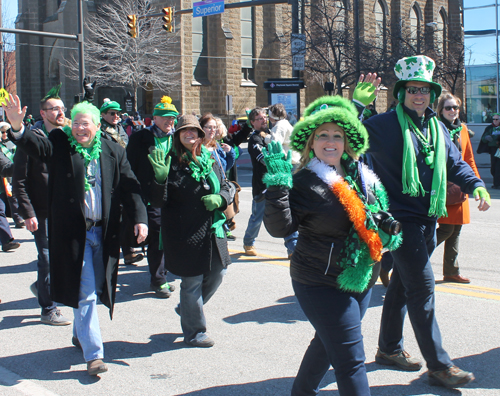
x: 208, y: 7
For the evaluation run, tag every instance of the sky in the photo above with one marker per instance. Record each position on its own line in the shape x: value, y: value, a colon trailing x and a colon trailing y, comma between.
x: 478, y: 50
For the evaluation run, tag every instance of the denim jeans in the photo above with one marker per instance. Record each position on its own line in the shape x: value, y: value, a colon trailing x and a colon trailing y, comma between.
x: 336, y: 316
x: 86, y: 325
x: 43, y: 280
x: 450, y: 235
x: 254, y: 223
x: 5, y: 234
x: 195, y: 292
x: 412, y: 289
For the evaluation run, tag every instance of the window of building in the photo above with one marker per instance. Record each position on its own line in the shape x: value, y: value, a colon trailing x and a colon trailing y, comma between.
x: 441, y: 34
x: 247, y: 47
x: 415, y: 28
x: 380, y: 23
x: 200, y: 60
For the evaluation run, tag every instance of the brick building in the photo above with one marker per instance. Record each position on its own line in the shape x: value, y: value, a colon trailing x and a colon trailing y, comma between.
x: 236, y: 52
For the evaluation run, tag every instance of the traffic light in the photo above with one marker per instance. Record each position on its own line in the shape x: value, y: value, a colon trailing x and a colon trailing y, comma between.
x: 132, y: 26
x: 168, y: 18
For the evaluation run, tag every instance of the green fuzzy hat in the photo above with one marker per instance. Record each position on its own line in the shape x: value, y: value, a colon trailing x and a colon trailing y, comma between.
x: 110, y: 105
x: 53, y: 93
x: 165, y: 108
x: 331, y: 109
x: 415, y: 68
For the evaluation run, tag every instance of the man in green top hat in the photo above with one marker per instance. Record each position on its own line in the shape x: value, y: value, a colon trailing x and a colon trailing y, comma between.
x: 411, y: 152
x: 110, y: 123
x: 157, y: 136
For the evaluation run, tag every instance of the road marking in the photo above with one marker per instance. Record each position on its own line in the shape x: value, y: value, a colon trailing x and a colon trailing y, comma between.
x: 451, y: 288
x: 26, y: 387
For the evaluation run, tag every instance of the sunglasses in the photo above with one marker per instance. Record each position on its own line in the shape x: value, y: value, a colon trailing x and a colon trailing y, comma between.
x: 449, y: 108
x: 422, y: 90
x: 113, y: 113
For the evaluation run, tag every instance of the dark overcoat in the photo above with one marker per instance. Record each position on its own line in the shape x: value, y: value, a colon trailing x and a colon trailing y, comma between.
x: 186, y: 223
x: 67, y: 228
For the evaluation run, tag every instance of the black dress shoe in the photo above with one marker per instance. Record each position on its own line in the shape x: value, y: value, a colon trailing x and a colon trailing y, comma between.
x: 10, y: 246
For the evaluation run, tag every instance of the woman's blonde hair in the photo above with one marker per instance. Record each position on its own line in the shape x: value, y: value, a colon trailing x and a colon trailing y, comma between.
x: 221, y: 129
x: 304, y: 159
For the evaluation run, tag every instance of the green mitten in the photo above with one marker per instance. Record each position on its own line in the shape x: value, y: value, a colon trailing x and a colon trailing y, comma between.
x: 279, y: 167
x: 212, y: 201
x: 482, y: 193
x: 364, y: 93
x: 160, y: 164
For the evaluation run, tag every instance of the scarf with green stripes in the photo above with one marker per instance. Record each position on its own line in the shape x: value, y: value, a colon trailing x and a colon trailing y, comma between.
x: 436, y: 161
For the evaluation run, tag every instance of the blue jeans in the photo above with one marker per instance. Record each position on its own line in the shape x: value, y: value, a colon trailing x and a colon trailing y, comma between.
x: 195, y: 292
x: 336, y: 317
x: 254, y: 223
x: 86, y: 325
x: 5, y: 234
x: 412, y: 289
x: 43, y: 280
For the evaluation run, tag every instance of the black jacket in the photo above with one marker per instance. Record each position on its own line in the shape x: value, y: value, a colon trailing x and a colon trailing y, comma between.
x: 313, y: 210
x: 30, y: 180
x: 255, y: 145
x: 185, y: 222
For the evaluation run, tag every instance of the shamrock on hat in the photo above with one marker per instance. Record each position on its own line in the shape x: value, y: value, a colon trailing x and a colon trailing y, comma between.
x: 415, y: 68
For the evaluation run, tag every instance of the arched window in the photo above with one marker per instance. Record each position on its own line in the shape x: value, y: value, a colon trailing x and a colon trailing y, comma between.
x: 380, y: 23
x: 415, y: 28
x: 441, y: 34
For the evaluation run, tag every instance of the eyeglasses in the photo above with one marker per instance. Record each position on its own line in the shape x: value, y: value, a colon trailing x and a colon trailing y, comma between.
x: 113, y: 113
x: 264, y: 118
x: 56, y: 109
x: 83, y: 125
x: 422, y: 90
x: 449, y: 108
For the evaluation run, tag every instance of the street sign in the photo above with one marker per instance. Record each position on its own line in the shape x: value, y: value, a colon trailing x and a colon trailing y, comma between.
x: 298, y: 46
x: 208, y: 7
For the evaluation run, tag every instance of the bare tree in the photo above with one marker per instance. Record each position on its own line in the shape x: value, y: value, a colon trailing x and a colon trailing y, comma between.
x: 113, y: 58
x: 9, y: 71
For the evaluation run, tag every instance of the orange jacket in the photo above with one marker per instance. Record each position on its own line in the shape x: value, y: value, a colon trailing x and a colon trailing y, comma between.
x: 460, y: 213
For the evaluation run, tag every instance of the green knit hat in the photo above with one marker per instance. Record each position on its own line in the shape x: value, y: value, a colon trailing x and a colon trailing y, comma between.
x: 53, y: 93
x: 165, y: 108
x: 331, y: 109
x: 415, y: 68
x: 110, y: 105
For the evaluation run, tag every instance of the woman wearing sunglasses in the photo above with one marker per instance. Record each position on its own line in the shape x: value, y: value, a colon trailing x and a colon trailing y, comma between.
x: 458, y: 212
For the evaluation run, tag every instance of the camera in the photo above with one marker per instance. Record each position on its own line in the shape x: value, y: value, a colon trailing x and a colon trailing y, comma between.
x: 386, y: 223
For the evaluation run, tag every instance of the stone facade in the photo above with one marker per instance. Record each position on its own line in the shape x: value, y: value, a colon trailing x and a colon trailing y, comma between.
x: 39, y: 59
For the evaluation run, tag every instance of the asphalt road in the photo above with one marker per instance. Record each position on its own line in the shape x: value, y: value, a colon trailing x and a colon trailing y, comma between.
x: 259, y: 330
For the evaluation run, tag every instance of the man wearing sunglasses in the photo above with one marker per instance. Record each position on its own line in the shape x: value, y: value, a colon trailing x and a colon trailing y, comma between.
x: 30, y: 186
x: 111, y: 123
x: 411, y: 152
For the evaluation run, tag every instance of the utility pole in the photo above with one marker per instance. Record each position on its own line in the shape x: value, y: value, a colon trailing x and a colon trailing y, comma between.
x: 2, y: 82
x: 80, y: 43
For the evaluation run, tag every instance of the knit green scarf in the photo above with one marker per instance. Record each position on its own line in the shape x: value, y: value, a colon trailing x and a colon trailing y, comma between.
x: 436, y: 161
x: 203, y: 169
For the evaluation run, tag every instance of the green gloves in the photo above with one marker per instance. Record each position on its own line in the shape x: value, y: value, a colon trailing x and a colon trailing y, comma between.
x: 390, y: 242
x: 364, y: 93
x: 279, y: 167
x: 482, y: 193
x: 161, y: 164
x: 212, y: 201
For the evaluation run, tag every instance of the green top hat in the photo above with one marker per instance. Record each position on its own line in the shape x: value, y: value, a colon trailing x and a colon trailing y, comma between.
x: 331, y: 109
x: 415, y: 68
x: 165, y: 108
x: 110, y: 105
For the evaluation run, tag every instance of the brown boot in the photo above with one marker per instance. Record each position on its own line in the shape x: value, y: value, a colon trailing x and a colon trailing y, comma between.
x: 96, y: 366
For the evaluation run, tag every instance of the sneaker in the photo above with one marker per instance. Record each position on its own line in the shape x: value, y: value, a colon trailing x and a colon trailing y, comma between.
x: 34, y: 289
x: 76, y: 342
x: 250, y: 250
x: 10, y: 246
x: 133, y: 258
x: 229, y: 236
x: 96, y: 366
x: 452, y: 377
x: 206, y: 342
x: 402, y: 359
x: 55, y: 318
x: 163, y: 291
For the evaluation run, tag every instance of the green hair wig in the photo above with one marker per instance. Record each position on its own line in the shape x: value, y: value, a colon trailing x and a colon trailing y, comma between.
x: 53, y: 93
x: 86, y: 108
x: 331, y: 109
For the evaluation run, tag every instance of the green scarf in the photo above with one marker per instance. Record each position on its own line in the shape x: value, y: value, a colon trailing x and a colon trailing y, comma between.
x: 88, y: 154
x: 203, y: 169
x: 436, y: 160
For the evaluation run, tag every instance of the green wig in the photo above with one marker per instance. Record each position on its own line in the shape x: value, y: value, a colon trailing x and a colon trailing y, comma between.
x: 53, y: 93
x: 331, y: 109
x: 86, y: 108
